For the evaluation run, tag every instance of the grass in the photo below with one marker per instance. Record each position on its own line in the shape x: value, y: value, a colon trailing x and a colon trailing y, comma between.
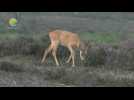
x: 34, y: 73
x: 98, y: 77
x: 12, y: 35
x: 94, y: 37
x: 26, y: 70
x: 101, y: 37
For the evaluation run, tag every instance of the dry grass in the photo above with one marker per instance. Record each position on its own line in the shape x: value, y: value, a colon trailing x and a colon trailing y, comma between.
x: 105, y: 65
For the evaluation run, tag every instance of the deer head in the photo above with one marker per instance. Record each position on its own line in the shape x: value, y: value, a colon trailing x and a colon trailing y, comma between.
x: 84, y: 46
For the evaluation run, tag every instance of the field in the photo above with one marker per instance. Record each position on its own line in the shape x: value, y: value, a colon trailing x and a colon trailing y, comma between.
x: 109, y: 62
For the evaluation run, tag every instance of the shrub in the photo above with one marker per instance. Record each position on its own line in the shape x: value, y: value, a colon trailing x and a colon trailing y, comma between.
x: 96, y: 56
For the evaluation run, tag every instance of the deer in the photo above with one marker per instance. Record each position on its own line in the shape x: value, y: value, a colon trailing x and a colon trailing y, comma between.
x: 67, y: 39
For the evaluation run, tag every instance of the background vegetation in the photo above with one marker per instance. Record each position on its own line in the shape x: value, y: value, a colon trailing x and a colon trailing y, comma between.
x: 109, y: 62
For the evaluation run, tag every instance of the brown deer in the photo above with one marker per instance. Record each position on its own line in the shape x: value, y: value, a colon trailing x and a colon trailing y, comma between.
x: 66, y: 39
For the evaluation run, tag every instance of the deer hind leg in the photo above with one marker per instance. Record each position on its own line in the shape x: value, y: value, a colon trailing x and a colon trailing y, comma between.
x: 72, y: 55
x: 81, y: 57
x: 46, y: 53
x: 54, y: 55
x: 69, y: 59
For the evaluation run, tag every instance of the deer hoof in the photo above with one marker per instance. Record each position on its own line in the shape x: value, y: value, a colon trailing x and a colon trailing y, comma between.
x: 58, y: 65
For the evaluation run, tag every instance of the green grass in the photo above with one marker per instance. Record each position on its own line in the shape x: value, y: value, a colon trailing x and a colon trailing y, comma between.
x: 12, y: 34
x: 101, y: 37
x: 94, y: 37
x: 8, y: 36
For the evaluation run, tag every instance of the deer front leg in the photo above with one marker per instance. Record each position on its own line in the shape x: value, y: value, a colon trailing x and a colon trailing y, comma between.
x: 46, y: 53
x: 72, y: 56
x: 55, y: 58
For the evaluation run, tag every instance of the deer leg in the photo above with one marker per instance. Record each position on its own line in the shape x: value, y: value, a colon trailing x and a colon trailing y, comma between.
x: 69, y: 59
x: 72, y: 56
x: 46, y: 53
x: 55, y: 57
x: 81, y: 57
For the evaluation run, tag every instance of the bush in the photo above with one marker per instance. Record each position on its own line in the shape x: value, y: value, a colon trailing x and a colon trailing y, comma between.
x: 96, y: 56
x: 21, y: 45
